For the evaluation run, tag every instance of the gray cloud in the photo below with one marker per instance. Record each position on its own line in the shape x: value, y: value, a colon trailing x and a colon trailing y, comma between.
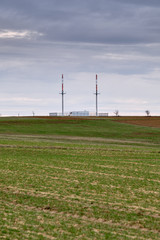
x: 85, y: 21
x: 118, y: 39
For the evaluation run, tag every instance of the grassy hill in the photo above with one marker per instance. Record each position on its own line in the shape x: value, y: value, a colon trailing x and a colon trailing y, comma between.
x: 85, y: 127
x: 79, y: 178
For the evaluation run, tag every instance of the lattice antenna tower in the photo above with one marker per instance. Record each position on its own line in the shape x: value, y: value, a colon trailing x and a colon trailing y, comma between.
x: 62, y: 93
x: 96, y: 93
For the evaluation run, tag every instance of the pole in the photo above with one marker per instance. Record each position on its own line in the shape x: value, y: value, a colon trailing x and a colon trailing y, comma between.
x: 96, y: 93
x: 62, y: 96
x: 96, y: 97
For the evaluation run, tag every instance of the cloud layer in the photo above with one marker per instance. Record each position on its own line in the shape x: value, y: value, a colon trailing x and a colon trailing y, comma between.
x: 118, y: 39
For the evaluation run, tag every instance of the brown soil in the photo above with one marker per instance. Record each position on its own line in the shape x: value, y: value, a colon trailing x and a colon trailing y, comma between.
x: 142, y: 121
x: 135, y: 120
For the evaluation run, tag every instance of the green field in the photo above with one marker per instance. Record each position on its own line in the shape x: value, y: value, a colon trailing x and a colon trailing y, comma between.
x: 68, y: 178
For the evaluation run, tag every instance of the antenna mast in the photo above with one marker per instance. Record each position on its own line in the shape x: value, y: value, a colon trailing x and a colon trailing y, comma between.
x: 62, y: 93
x: 96, y: 93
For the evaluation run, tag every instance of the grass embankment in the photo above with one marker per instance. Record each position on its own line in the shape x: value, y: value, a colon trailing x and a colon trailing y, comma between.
x: 84, y: 127
x: 78, y: 188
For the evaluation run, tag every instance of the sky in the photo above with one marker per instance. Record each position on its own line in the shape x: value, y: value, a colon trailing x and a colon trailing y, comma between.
x: 42, y: 39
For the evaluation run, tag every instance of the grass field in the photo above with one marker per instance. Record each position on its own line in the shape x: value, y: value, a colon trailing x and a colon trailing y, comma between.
x: 77, y: 178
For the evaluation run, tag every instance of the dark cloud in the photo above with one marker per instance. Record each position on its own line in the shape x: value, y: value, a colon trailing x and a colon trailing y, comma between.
x: 152, y: 3
x: 101, y: 21
x: 40, y: 39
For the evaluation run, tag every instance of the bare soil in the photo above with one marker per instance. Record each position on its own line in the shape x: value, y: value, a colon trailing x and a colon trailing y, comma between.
x: 135, y: 120
x: 142, y: 121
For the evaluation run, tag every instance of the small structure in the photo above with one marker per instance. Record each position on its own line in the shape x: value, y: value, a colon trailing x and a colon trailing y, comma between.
x: 103, y: 114
x: 79, y: 113
x: 54, y: 114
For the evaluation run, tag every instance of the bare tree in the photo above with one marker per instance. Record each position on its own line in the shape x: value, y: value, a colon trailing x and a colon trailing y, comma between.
x: 33, y: 113
x: 116, y: 112
x: 148, y: 113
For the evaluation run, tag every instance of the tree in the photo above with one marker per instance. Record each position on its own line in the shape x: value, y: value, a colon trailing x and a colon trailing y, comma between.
x: 148, y: 113
x: 116, y: 112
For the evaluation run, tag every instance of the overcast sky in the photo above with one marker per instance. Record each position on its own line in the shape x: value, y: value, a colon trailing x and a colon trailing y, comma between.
x: 117, y: 39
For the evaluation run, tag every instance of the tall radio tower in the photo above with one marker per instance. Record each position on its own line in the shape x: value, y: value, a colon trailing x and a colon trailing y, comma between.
x: 62, y: 96
x: 96, y: 93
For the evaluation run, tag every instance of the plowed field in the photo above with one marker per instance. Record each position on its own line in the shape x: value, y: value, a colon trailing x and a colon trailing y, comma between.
x: 141, y: 121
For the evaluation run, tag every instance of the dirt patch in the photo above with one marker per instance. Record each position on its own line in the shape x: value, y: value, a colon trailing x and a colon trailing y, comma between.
x: 141, y: 121
x: 122, y: 224
x: 73, y: 138
x: 135, y: 120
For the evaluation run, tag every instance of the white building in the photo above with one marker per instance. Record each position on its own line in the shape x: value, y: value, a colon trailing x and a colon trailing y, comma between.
x: 79, y: 113
x: 103, y: 114
x: 53, y: 114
